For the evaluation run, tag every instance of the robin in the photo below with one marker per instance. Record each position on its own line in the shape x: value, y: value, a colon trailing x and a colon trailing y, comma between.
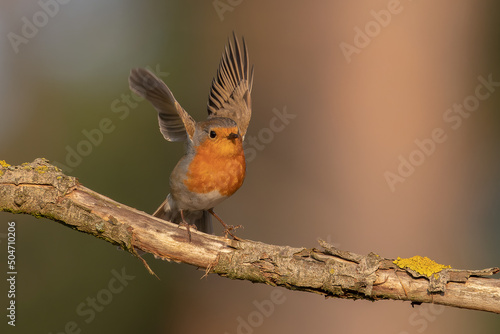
x: 213, y: 167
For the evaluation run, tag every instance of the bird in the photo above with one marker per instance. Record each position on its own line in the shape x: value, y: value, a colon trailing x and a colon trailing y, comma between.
x: 213, y: 167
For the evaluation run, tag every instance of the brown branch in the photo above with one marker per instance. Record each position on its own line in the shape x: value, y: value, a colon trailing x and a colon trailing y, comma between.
x: 42, y: 190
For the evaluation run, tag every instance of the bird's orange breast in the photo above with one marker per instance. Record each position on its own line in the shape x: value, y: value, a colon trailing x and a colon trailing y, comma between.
x: 217, y: 165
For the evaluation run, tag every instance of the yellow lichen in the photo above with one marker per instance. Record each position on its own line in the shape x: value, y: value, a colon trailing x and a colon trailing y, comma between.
x: 42, y: 169
x: 4, y: 164
x: 422, y: 265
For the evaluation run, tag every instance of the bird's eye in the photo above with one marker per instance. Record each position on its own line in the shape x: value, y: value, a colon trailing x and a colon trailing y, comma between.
x: 212, y: 134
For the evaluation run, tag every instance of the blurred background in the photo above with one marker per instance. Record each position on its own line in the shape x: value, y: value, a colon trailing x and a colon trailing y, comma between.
x: 343, y: 94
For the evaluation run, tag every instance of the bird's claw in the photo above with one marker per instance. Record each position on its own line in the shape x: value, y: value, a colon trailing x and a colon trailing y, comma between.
x: 188, y: 228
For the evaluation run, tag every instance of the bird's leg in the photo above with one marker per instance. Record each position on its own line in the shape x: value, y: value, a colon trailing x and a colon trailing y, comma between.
x: 227, y: 228
x: 186, y: 225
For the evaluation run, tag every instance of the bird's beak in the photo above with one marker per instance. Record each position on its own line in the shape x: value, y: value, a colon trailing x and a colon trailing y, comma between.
x: 233, y: 136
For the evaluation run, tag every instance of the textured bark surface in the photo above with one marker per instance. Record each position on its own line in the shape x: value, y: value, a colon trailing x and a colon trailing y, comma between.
x: 42, y: 190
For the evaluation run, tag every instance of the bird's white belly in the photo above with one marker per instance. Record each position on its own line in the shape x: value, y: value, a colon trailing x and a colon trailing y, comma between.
x: 195, y: 201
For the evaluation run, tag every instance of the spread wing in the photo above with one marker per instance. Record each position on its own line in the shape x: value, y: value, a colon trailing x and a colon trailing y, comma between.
x: 175, y: 122
x: 231, y: 88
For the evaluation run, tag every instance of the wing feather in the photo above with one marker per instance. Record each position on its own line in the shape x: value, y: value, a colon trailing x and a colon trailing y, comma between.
x: 230, y: 92
x: 175, y: 123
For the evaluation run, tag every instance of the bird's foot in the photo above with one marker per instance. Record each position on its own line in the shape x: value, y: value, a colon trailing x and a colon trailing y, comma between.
x: 227, y: 228
x: 188, y: 228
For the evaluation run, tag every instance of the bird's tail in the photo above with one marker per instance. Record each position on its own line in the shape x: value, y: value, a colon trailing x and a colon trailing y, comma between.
x: 200, y: 218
